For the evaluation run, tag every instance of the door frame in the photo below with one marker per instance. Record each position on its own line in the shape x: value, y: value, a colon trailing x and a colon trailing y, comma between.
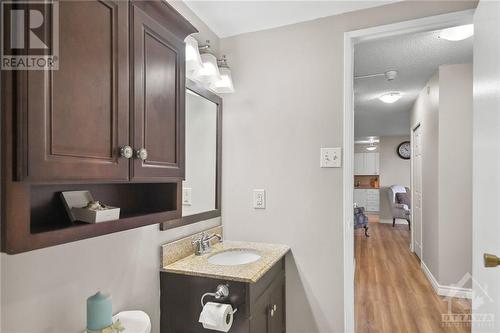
x: 350, y: 39
x: 412, y: 241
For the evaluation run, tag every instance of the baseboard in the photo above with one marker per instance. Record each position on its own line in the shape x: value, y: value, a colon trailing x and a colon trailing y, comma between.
x: 389, y: 221
x: 447, y: 291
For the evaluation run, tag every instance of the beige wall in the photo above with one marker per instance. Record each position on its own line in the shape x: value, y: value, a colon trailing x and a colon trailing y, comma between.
x: 455, y: 172
x: 393, y: 170
x: 45, y: 291
x: 288, y: 103
x: 445, y: 115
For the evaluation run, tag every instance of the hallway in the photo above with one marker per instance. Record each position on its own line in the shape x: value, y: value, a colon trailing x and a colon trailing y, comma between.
x: 392, y: 292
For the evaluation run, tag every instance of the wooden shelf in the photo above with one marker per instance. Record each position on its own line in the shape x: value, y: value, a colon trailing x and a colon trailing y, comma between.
x: 49, y: 224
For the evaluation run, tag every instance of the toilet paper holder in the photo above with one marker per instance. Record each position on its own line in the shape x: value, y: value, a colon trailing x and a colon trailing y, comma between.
x: 222, y: 291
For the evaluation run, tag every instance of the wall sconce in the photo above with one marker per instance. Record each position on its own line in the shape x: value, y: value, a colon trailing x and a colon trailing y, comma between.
x: 193, y: 58
x: 209, y: 72
x: 224, y: 85
x: 206, y: 68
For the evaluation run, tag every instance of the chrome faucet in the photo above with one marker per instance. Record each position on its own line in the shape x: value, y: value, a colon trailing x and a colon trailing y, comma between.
x: 202, y: 244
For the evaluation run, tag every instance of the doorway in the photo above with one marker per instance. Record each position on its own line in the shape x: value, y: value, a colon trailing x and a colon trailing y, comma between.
x: 350, y: 40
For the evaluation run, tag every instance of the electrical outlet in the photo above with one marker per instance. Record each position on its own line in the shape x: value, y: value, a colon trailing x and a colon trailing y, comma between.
x: 331, y: 157
x: 186, y: 196
x: 259, y: 199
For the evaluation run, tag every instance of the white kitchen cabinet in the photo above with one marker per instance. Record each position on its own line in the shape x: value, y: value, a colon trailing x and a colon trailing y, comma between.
x: 360, y: 197
x: 366, y: 163
x: 367, y: 198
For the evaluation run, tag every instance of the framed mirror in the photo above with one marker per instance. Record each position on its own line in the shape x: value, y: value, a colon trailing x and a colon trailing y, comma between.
x: 201, y: 189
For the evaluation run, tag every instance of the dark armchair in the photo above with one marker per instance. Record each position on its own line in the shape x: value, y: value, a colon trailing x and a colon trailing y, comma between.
x: 360, y: 219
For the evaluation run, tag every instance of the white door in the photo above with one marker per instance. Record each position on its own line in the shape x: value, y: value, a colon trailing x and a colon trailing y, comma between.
x: 417, y: 190
x: 486, y: 166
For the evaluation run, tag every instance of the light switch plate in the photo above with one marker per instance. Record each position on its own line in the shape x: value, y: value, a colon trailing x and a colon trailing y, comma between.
x: 186, y: 196
x: 331, y: 157
x: 259, y: 199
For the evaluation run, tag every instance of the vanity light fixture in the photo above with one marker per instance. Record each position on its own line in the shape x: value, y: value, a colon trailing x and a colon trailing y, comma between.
x: 209, y: 72
x: 225, y: 84
x: 391, y: 97
x: 193, y: 58
x: 460, y: 32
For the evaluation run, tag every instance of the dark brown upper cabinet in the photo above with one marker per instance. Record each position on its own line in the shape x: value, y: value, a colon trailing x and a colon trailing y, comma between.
x: 76, y: 118
x: 120, y: 83
x: 158, y: 99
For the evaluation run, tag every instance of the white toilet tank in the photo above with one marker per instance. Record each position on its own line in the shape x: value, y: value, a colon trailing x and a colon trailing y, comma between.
x: 134, y: 321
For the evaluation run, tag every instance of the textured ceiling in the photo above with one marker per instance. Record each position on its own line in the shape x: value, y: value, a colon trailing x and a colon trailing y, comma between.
x: 416, y: 57
x: 229, y: 18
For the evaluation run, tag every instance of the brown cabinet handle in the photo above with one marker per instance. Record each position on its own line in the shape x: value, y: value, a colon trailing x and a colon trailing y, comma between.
x: 126, y: 152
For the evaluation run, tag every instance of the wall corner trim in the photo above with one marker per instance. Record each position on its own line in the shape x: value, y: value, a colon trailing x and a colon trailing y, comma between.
x: 447, y: 291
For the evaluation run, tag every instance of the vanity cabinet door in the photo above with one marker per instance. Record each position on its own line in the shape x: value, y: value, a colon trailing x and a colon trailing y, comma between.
x: 158, y: 99
x: 277, y: 307
x: 259, y: 322
x: 73, y: 120
x: 268, y: 314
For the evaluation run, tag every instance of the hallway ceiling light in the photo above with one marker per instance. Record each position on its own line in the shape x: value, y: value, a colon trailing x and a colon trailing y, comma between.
x: 457, y: 33
x: 391, y: 97
x: 193, y: 58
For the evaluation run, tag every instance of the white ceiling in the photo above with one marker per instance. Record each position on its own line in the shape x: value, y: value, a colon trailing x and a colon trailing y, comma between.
x: 229, y: 18
x: 416, y: 57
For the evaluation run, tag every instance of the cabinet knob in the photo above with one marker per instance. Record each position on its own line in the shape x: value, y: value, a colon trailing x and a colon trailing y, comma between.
x: 275, y: 307
x: 141, y: 154
x: 126, y: 151
x: 272, y: 312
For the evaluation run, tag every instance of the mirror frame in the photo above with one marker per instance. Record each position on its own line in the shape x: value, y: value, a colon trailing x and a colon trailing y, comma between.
x: 185, y: 220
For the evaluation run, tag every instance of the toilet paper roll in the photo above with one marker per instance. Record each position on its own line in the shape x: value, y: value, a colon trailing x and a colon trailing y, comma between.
x: 216, y: 316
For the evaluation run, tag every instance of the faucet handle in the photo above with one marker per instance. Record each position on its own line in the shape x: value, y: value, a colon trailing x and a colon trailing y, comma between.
x: 197, y: 239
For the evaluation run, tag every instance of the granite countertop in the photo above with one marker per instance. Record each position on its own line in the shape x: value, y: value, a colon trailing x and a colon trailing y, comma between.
x: 252, y: 272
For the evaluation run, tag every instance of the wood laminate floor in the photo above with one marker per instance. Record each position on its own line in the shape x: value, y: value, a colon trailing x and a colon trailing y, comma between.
x: 392, y: 292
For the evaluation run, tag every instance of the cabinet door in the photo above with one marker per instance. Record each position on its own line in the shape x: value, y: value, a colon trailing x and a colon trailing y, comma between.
x: 76, y: 118
x: 259, y: 321
x: 360, y: 197
x: 277, y: 308
x: 158, y: 99
x: 369, y: 164
x: 359, y: 161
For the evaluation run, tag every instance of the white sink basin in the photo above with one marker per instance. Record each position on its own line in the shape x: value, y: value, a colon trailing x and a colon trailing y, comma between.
x: 234, y: 257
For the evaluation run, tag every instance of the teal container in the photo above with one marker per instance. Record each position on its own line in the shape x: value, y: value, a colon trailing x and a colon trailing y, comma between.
x: 99, y: 313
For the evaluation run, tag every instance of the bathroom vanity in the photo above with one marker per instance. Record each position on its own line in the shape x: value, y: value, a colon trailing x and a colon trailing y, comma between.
x: 256, y: 289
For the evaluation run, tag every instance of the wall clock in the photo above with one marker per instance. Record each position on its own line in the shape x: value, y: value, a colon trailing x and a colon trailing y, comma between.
x: 404, y: 150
